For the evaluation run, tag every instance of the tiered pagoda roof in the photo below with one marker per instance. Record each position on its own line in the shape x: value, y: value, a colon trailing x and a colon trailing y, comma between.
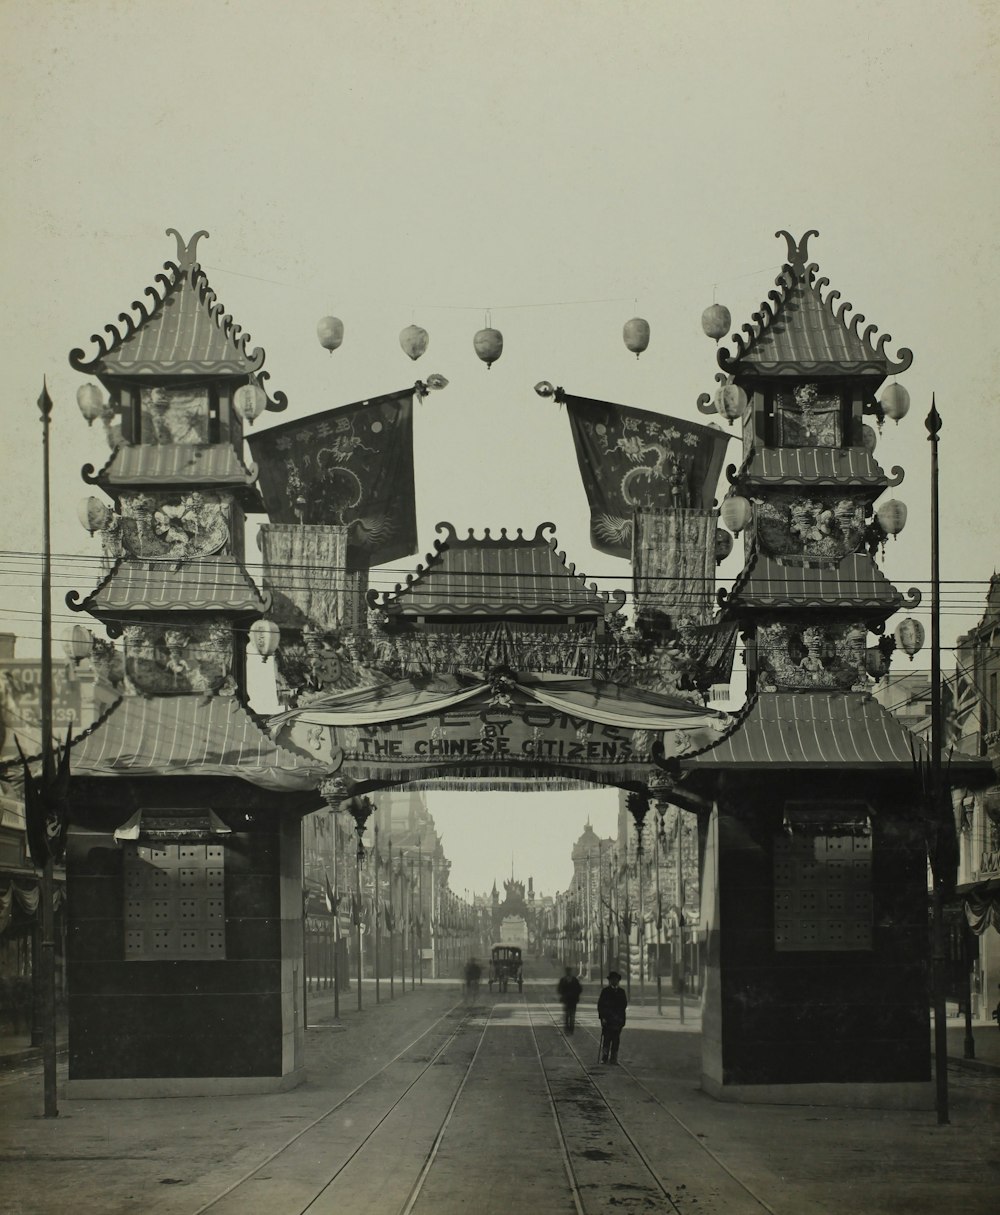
x: 848, y: 730
x: 854, y: 581
x: 497, y: 576
x: 192, y: 736
x: 206, y: 584
x: 182, y: 330
x: 800, y: 332
x: 797, y: 467
x: 179, y: 466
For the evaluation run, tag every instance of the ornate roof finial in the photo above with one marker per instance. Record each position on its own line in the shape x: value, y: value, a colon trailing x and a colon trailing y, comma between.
x: 186, y: 252
x: 797, y: 252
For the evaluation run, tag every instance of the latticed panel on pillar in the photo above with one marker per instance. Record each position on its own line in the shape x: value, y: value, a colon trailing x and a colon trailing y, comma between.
x: 174, y: 902
x: 822, y: 892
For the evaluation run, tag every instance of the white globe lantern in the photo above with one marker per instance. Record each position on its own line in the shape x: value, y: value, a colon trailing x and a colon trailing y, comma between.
x: 731, y: 402
x: 891, y: 516
x: 77, y: 642
x: 895, y: 402
x: 736, y: 513
x: 716, y: 321
x: 93, y: 514
x: 414, y: 341
x: 90, y: 402
x: 635, y: 335
x: 249, y: 402
x: 265, y: 636
x: 330, y: 332
x: 488, y: 345
x: 909, y: 634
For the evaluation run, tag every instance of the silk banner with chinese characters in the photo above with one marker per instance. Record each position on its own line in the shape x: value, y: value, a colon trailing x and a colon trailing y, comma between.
x: 632, y: 459
x: 351, y: 467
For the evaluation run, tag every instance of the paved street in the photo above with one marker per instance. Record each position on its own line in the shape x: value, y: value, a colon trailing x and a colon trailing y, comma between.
x: 426, y: 1105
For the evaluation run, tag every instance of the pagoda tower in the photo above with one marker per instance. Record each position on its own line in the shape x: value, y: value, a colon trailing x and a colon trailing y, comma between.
x: 183, y: 855
x: 814, y: 880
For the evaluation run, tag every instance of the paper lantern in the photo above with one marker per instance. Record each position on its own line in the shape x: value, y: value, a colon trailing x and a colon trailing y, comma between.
x: 891, y: 516
x: 909, y: 636
x: 414, y: 341
x: 93, y: 514
x: 330, y: 332
x: 868, y: 438
x: 876, y: 662
x: 723, y: 544
x: 77, y: 642
x: 635, y: 335
x: 249, y: 402
x: 265, y: 636
x: 488, y: 345
x: 716, y: 321
x: 736, y: 513
x: 732, y: 402
x: 90, y: 402
x: 895, y: 402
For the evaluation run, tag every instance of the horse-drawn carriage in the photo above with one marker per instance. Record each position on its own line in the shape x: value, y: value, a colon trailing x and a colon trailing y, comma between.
x: 505, y: 967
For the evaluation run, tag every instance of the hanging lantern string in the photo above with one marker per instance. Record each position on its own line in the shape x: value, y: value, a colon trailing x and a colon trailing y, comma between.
x: 616, y: 299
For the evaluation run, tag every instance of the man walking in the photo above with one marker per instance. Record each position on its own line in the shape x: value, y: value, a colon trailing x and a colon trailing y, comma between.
x: 569, y: 993
x: 611, y: 1006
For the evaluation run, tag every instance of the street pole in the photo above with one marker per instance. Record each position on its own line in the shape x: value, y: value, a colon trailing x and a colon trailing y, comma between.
x: 413, y: 960
x: 600, y: 912
x: 679, y: 899
x: 933, y: 424
x: 392, y: 929
x: 336, y: 921
x: 420, y: 920
x: 376, y: 918
x: 659, y: 912
x: 641, y: 928
x: 357, y: 874
x: 46, y: 952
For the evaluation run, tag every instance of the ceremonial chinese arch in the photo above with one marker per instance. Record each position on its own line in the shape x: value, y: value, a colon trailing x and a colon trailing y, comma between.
x: 495, y: 665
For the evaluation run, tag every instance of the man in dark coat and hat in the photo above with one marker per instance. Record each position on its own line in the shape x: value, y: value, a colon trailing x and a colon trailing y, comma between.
x: 611, y: 1005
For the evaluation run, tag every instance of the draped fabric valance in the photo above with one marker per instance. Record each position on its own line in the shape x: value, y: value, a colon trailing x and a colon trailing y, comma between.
x: 982, y: 907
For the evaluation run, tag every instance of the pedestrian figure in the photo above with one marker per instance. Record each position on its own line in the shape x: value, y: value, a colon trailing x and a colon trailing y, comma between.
x: 569, y: 990
x: 472, y: 973
x: 611, y: 1007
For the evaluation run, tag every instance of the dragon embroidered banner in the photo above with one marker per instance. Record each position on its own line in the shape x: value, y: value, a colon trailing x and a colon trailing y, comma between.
x: 351, y: 466
x: 632, y: 459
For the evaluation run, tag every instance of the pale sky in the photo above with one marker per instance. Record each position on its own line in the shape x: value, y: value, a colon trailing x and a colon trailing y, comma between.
x: 566, y: 165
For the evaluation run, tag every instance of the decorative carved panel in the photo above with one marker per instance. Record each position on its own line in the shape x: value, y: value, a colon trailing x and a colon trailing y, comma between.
x: 174, y: 414
x: 808, y: 415
x: 809, y: 526
x: 181, y: 526
x: 164, y: 660
x: 806, y: 653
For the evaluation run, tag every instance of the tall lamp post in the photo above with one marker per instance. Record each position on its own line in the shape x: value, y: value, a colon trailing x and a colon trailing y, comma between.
x: 941, y: 855
x: 46, y: 952
x: 360, y: 809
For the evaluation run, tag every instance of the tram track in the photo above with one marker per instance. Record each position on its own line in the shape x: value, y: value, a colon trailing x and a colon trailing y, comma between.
x: 385, y: 1152
x: 626, y: 1070
x: 216, y: 1203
